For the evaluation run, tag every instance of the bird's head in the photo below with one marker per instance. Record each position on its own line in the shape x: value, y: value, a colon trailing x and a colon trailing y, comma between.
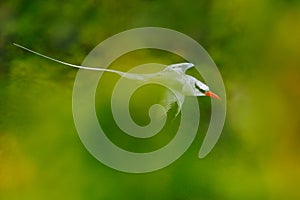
x: 203, y: 90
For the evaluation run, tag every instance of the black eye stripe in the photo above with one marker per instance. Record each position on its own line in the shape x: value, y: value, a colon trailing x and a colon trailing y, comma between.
x: 201, y: 90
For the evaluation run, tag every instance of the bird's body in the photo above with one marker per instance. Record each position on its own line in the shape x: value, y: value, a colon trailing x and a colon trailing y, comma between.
x: 173, y: 77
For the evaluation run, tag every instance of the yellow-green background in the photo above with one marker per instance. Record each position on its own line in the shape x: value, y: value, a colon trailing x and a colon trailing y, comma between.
x: 255, y: 44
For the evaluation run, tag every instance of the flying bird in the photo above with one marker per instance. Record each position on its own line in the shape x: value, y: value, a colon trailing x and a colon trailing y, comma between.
x: 173, y: 76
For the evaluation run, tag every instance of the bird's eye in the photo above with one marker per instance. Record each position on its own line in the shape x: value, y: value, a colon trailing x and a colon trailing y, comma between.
x: 200, y: 89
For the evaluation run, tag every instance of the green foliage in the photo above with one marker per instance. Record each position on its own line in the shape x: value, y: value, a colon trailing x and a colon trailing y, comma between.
x: 256, y: 47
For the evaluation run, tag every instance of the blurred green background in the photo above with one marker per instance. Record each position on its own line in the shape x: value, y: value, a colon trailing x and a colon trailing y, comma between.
x: 254, y: 43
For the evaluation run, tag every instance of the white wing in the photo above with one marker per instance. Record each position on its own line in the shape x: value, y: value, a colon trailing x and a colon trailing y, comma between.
x: 180, y: 67
x: 170, y: 99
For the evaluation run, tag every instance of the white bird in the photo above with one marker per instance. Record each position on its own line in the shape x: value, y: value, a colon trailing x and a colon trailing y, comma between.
x: 173, y: 76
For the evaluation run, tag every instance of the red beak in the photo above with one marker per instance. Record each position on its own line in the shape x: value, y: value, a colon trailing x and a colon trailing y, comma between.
x: 213, y: 95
